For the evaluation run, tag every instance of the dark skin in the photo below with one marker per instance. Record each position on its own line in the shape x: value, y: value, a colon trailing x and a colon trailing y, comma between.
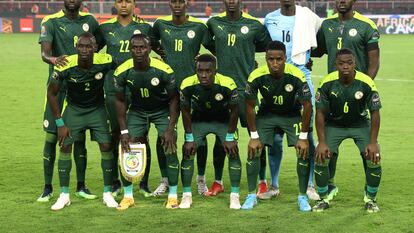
x: 140, y: 50
x: 346, y: 68
x: 233, y: 9
x: 71, y: 10
x: 125, y: 9
x: 179, y: 11
x: 345, y: 13
x: 86, y: 47
x: 206, y: 72
x: 276, y: 60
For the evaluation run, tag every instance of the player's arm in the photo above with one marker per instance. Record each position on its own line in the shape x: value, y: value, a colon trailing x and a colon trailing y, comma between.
x: 230, y: 144
x: 52, y: 92
x: 120, y: 106
x: 304, y: 97
x: 322, y: 150
x: 262, y: 39
x: 373, y: 59
x: 189, y: 147
x: 372, y: 151
x: 254, y: 147
x: 321, y: 49
x: 46, y: 52
x: 169, y: 139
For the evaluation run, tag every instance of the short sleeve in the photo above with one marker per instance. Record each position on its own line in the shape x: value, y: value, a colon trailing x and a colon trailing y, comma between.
x: 372, y: 35
x: 374, y: 101
x: 120, y: 81
x: 262, y: 38
x: 185, y: 98
x: 233, y: 97
x: 57, y: 77
x: 303, y: 93
x: 156, y: 31
x: 321, y: 98
x: 169, y: 81
x: 46, y: 32
x: 320, y: 38
x: 251, y: 90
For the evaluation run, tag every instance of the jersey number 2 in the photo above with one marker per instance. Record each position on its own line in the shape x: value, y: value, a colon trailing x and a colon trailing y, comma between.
x: 124, y: 46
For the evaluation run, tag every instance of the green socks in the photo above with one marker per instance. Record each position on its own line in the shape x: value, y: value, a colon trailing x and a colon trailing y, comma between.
x: 252, y: 168
x: 64, y: 167
x: 49, y: 157
x: 107, y: 160
x: 322, y: 178
x: 80, y: 157
x: 303, y: 169
x: 373, y: 179
x: 187, y: 170
x: 202, y: 159
x: 219, y: 157
x: 173, y: 169
x: 162, y: 160
x: 235, y: 172
x: 262, y: 172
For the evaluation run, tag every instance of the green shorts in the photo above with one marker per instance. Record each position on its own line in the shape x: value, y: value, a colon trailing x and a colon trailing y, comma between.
x: 139, y: 122
x: 202, y: 129
x: 49, y: 124
x: 78, y: 120
x: 335, y: 135
x: 270, y: 124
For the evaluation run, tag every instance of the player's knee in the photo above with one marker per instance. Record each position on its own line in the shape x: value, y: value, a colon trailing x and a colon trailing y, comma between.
x: 105, y: 147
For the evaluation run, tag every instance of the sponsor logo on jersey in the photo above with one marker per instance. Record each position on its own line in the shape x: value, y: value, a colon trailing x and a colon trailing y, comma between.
x: 137, y: 32
x: 112, y: 33
x: 167, y: 31
x: 219, y: 97
x: 353, y: 32
x: 55, y: 75
x: 244, y: 30
x: 155, y: 81
x: 359, y: 95
x: 85, y: 27
x: 289, y: 88
x: 46, y: 123
x: 334, y: 94
x: 130, y: 81
x: 191, y: 34
x: 221, y: 27
x: 98, y: 76
x: 62, y: 28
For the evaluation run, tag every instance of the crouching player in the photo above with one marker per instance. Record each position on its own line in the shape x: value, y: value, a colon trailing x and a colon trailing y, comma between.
x: 285, y: 93
x: 209, y: 104
x: 154, y: 99
x: 83, y: 74
x: 343, y: 100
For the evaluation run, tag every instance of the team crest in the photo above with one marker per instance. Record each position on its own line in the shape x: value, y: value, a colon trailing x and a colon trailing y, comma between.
x: 244, y: 30
x: 85, y: 27
x: 155, y: 81
x: 191, y: 34
x: 289, y: 88
x: 353, y: 32
x: 131, y: 162
x: 137, y: 32
x: 98, y: 76
x: 43, y: 31
x: 359, y: 95
x: 219, y: 97
x: 46, y: 123
x: 55, y: 75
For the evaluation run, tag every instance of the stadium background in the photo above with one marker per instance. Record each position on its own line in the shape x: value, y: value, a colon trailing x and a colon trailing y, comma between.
x: 22, y: 86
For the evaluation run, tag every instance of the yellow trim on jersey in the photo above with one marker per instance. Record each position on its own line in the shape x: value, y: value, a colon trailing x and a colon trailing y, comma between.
x: 98, y: 59
x: 365, y: 19
x: 289, y: 69
x: 158, y: 64
x: 113, y: 20
x: 259, y: 72
x: 334, y: 16
x: 128, y: 64
x: 220, y: 80
x: 195, y: 20
x: 366, y: 79
x: 295, y: 71
x: 165, y: 18
x: 58, y: 14
x: 358, y: 76
x: 244, y: 15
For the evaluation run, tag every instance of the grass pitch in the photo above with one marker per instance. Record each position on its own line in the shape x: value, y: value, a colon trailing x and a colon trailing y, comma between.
x: 22, y: 80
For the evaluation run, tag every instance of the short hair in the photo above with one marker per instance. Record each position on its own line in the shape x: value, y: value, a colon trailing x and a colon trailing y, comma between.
x: 276, y: 45
x: 88, y: 35
x: 141, y: 36
x: 344, y: 51
x: 207, y: 58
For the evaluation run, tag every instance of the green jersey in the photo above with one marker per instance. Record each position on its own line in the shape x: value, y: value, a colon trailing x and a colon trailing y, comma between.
x: 84, y: 87
x: 181, y: 43
x: 355, y: 34
x: 63, y: 32
x: 346, y: 106
x: 116, y: 37
x: 279, y: 96
x: 236, y: 43
x: 209, y: 104
x: 150, y: 89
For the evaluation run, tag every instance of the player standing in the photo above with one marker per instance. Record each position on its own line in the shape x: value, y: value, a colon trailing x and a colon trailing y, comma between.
x: 154, y: 99
x: 343, y: 100
x: 237, y: 36
x: 58, y: 38
x: 348, y: 29
x: 209, y: 104
x: 84, y: 76
x: 285, y: 93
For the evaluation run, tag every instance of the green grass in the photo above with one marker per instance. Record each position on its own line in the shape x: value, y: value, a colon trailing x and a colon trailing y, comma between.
x: 22, y: 81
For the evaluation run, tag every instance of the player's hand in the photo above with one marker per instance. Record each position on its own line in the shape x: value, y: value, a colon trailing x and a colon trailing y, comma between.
x: 372, y: 152
x: 255, y: 148
x: 63, y: 133
x: 125, y: 142
x: 302, y: 148
x: 189, y: 149
x: 322, y: 152
x: 309, y: 64
x: 231, y: 148
x: 169, y: 141
x: 60, y: 61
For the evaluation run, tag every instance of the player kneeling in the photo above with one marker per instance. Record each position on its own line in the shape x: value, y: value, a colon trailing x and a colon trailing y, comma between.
x: 209, y: 104
x: 343, y: 100
x: 83, y: 76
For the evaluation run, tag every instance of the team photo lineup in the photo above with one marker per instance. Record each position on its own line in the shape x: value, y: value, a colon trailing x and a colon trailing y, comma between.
x: 118, y: 78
